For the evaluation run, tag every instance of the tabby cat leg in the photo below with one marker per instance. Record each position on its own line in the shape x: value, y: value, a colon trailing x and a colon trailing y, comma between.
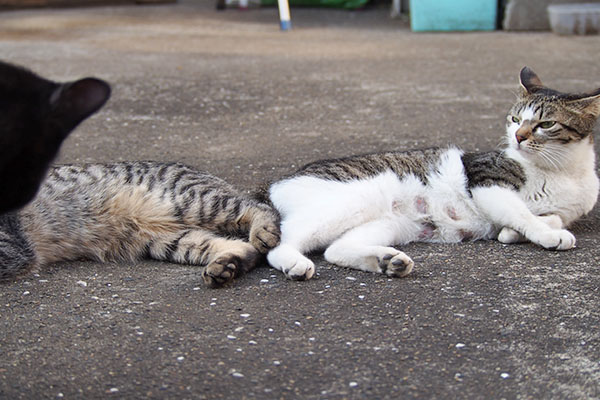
x: 16, y: 253
x: 509, y: 236
x: 224, y: 258
x: 366, y: 248
x: 263, y: 223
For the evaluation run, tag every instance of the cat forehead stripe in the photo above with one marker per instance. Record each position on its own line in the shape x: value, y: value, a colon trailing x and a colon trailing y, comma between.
x: 527, y: 114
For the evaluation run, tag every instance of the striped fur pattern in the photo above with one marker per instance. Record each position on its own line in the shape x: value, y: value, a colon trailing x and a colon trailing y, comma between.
x: 360, y: 208
x: 126, y: 211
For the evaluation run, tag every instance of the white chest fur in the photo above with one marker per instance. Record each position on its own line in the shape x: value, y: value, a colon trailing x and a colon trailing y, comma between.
x: 569, y: 192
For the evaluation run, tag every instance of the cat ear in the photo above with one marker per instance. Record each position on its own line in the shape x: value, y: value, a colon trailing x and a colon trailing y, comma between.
x: 75, y: 101
x: 587, y: 103
x: 530, y: 82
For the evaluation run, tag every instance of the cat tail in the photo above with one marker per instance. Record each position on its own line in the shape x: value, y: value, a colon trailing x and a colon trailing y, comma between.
x: 16, y: 252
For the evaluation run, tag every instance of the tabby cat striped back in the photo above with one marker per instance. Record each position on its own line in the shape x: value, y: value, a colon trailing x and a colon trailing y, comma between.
x: 357, y: 208
x: 126, y: 211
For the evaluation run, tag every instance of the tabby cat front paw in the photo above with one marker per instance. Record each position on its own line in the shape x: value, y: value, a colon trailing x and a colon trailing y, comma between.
x: 557, y: 239
x: 265, y: 236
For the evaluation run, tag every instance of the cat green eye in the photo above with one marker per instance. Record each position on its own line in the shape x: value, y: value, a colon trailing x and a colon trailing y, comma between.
x: 515, y: 119
x: 547, y: 124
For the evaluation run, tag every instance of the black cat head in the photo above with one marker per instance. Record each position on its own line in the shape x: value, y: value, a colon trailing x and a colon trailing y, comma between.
x: 36, y: 115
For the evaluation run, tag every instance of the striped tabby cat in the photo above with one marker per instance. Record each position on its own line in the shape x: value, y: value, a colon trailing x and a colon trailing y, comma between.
x: 114, y: 212
x: 126, y: 211
x: 357, y: 208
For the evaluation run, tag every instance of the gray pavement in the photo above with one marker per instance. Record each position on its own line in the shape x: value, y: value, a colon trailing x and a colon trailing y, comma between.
x: 231, y: 94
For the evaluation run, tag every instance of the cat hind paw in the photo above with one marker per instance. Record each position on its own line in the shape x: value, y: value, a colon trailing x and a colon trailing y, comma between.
x: 396, y: 265
x: 226, y: 267
x: 291, y: 262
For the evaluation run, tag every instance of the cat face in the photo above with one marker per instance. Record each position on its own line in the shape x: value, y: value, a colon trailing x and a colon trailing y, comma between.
x: 36, y: 115
x: 548, y: 126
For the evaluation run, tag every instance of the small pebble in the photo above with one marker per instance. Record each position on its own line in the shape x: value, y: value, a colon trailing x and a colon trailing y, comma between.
x: 350, y: 278
x: 231, y: 337
x: 82, y: 283
x: 460, y: 345
x: 353, y: 384
x: 244, y: 315
x: 264, y: 281
x: 504, y: 375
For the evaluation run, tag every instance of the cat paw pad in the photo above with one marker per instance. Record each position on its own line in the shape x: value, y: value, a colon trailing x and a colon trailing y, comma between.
x: 396, y: 265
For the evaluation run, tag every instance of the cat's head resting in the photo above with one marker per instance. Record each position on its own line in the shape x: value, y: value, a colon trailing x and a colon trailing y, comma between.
x: 36, y: 115
x: 550, y: 127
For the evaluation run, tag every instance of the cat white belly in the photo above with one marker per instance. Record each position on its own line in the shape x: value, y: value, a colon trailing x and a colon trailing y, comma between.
x: 316, y: 211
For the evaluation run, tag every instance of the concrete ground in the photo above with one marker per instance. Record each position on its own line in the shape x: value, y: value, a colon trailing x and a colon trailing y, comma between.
x: 229, y: 93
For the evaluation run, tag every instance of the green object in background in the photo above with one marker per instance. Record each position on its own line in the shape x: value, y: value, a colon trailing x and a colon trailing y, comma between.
x: 453, y: 15
x: 348, y: 4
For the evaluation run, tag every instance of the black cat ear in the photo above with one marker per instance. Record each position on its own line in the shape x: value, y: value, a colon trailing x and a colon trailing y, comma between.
x: 530, y: 81
x: 75, y: 101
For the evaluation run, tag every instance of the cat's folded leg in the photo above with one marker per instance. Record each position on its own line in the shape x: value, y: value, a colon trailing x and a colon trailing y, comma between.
x: 264, y: 233
x: 366, y: 248
x: 509, y: 236
x: 224, y: 259
x: 504, y: 208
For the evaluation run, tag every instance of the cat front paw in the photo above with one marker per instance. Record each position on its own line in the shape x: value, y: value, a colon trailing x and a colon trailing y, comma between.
x: 509, y: 236
x: 396, y: 264
x: 227, y: 266
x: 557, y: 239
x: 265, y: 235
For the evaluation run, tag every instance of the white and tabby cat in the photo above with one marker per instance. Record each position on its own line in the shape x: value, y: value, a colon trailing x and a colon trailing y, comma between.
x: 356, y: 208
x: 111, y: 212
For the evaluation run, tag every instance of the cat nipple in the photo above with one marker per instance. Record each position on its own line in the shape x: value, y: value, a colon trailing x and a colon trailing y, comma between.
x: 451, y: 211
x: 421, y: 205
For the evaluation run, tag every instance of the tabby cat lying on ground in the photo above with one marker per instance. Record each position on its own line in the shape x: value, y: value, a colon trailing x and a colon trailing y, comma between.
x: 111, y: 212
x: 126, y: 211
x: 356, y: 208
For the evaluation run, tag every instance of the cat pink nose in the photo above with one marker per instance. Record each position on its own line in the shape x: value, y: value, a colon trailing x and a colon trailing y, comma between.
x: 520, y: 138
